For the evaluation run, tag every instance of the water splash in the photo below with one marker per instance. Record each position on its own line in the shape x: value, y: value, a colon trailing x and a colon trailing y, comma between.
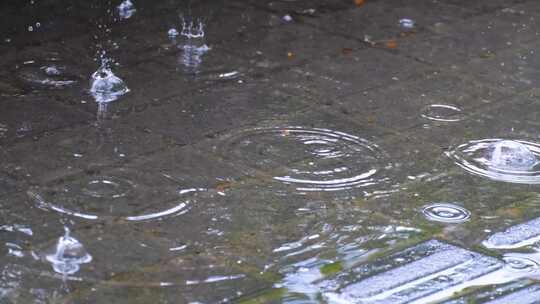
x: 68, y: 255
x: 126, y: 9
x: 192, y: 44
x: 446, y: 213
x: 521, y: 263
x: 511, y: 155
x: 105, y: 86
x: 503, y: 160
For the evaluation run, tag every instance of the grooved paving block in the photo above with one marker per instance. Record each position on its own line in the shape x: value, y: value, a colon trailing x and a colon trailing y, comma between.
x: 516, y: 236
x: 430, y: 271
x: 529, y: 295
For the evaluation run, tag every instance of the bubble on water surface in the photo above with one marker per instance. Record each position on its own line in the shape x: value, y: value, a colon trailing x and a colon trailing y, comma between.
x: 126, y: 9
x: 105, y: 86
x: 503, y: 160
x: 443, y: 113
x: 113, y: 197
x: 326, y: 160
x: 446, y: 213
x: 68, y: 255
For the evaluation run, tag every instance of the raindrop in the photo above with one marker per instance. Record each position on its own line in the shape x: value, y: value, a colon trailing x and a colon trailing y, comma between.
x: 513, y: 161
x: 106, y: 86
x: 446, y: 213
x: 68, y: 254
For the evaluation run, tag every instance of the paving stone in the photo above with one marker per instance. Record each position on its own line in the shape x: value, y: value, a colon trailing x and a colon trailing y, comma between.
x: 515, y: 236
x: 529, y: 295
x: 429, y: 271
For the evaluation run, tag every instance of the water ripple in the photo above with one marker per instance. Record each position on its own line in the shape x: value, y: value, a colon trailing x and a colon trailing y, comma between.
x: 443, y: 113
x: 446, y: 213
x: 327, y: 160
x: 502, y: 160
x: 110, y: 197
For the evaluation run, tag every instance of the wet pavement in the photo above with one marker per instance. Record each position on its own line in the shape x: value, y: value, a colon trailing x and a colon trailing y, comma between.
x: 269, y: 152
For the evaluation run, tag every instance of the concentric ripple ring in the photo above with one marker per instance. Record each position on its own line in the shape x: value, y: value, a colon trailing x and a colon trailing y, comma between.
x: 109, y: 197
x: 317, y: 159
x: 446, y: 213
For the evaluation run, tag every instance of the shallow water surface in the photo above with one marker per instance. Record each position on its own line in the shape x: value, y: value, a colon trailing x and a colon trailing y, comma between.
x: 287, y: 151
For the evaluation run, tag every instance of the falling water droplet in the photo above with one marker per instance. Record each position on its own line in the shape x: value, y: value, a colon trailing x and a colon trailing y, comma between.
x: 68, y: 255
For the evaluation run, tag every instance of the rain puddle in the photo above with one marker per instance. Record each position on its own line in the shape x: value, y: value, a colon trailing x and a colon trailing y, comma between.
x: 206, y: 169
